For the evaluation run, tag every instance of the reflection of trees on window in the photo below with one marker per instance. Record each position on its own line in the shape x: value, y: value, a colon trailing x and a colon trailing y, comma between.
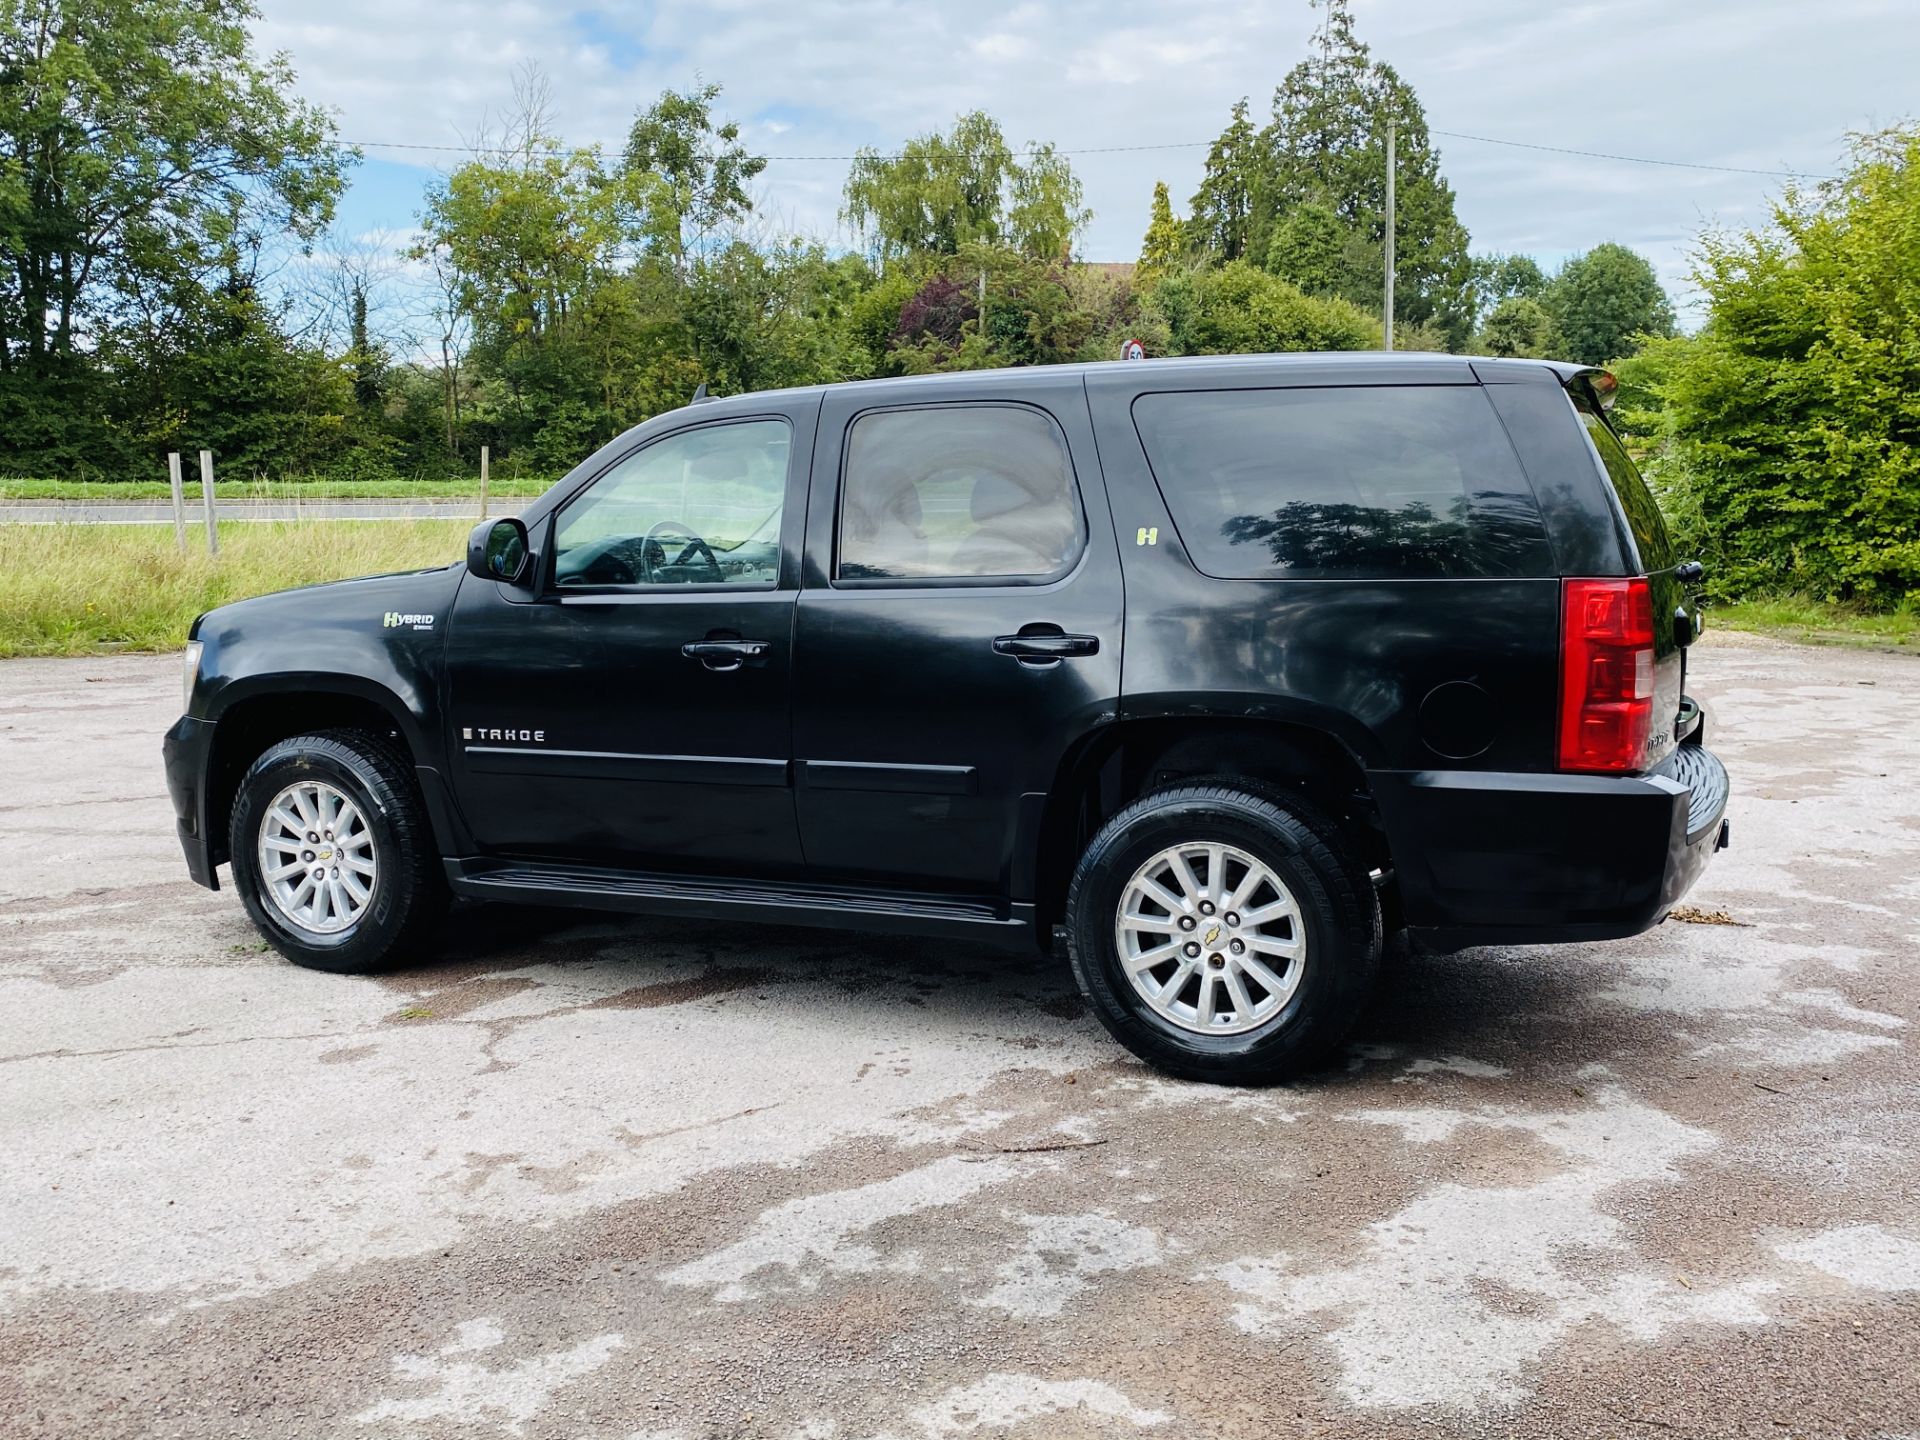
x: 1479, y: 534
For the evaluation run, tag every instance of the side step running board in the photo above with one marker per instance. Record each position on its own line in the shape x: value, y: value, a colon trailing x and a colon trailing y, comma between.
x: 836, y: 907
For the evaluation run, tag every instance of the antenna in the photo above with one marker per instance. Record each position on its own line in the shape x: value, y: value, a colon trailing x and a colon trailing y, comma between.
x: 699, y: 393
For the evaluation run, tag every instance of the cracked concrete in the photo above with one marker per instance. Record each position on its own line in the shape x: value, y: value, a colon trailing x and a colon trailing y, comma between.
x: 587, y: 1177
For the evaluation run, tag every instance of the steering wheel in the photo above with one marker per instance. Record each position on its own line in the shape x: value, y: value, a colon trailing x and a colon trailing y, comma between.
x: 651, y: 545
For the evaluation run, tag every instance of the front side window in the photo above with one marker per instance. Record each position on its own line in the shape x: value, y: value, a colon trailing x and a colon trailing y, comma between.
x: 1380, y: 482
x: 698, y: 508
x: 958, y: 492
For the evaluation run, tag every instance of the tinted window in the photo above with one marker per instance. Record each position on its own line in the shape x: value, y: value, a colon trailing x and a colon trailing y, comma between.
x: 958, y: 492
x: 1649, y: 526
x: 698, y: 508
x: 1400, y: 481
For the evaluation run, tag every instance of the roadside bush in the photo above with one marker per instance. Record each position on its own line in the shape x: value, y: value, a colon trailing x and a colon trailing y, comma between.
x: 1793, y: 419
x: 1238, y: 308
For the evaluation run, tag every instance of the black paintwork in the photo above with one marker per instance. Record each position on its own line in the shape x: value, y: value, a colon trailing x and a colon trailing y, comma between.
x: 926, y: 757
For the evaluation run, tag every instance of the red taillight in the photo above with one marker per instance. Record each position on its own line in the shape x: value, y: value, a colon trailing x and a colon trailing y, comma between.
x: 1606, y: 673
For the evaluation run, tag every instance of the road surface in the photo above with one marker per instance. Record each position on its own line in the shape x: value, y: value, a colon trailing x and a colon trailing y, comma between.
x: 160, y: 512
x: 586, y: 1177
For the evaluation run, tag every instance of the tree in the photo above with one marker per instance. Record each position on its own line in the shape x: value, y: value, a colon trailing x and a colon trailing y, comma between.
x: 1793, y: 418
x: 1162, y: 245
x: 1327, y: 147
x: 1221, y: 211
x: 1311, y: 248
x: 1518, y: 325
x: 1602, y: 300
x: 128, y: 130
x: 943, y: 191
x: 703, y: 170
x: 1505, y: 277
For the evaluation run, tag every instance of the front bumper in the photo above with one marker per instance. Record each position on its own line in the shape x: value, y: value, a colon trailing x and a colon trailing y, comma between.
x: 1516, y: 859
x: 186, y: 750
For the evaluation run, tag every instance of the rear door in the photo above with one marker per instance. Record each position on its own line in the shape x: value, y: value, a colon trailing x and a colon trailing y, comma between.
x: 959, y: 626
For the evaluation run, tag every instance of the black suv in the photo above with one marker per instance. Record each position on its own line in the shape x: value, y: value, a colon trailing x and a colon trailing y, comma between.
x: 1230, y: 667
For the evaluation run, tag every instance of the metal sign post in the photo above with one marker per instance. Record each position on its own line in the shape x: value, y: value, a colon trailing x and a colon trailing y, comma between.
x: 179, y: 501
x: 206, y: 495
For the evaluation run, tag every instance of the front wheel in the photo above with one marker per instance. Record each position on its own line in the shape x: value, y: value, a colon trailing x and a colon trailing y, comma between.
x: 332, y: 853
x: 1222, y: 935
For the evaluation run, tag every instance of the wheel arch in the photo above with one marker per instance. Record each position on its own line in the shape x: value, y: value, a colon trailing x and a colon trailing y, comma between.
x: 253, y: 714
x: 1115, y: 765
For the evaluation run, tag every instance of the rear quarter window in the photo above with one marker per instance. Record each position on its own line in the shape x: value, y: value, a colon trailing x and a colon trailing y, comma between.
x: 1644, y: 519
x: 1407, y: 482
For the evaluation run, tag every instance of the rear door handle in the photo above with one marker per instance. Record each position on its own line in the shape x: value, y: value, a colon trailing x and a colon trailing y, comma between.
x: 725, y: 654
x: 1029, y: 648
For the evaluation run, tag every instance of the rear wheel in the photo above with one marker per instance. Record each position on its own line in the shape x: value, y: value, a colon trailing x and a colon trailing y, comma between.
x: 332, y: 853
x: 1221, y: 933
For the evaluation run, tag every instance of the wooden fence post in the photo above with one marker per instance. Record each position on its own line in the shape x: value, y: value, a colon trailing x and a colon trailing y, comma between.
x: 483, y: 482
x: 179, y: 501
x: 206, y: 493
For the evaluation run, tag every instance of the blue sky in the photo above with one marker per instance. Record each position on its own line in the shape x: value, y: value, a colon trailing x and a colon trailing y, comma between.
x: 1753, y: 84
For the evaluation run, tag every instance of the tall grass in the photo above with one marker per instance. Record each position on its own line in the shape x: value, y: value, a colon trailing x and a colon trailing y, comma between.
x: 88, y: 589
x: 1822, y: 622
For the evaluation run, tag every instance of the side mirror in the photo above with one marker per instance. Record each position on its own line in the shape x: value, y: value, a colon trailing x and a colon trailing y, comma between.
x: 498, y: 550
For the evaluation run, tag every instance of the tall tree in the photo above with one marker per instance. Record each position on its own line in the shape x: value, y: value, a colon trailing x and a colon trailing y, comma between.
x: 1327, y: 146
x: 1602, y: 300
x: 128, y: 127
x: 943, y: 191
x: 1162, y: 245
x: 1221, y: 211
x: 702, y: 168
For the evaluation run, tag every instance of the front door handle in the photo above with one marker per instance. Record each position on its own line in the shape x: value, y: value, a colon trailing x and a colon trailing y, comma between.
x: 1029, y: 649
x: 725, y: 654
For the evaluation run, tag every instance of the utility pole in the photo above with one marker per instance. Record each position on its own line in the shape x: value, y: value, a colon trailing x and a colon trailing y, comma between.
x: 1387, y: 319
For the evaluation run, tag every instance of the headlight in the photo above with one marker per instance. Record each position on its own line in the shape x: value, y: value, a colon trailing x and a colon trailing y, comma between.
x: 190, y: 672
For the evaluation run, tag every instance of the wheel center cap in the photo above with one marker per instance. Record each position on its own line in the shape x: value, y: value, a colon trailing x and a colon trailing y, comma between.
x: 326, y: 852
x: 1213, y: 934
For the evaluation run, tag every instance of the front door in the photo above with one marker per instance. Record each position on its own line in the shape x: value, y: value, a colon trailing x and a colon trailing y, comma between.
x: 634, y: 712
x: 959, y: 627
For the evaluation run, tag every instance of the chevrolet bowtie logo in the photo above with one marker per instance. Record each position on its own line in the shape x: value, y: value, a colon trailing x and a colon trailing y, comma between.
x: 1213, y: 935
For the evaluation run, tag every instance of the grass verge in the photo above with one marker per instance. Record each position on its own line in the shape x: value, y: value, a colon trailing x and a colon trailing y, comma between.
x: 1819, y: 622
x: 94, y: 589
x: 464, y: 489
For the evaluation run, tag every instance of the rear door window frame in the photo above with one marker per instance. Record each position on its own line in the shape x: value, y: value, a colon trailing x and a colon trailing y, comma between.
x: 1083, y: 535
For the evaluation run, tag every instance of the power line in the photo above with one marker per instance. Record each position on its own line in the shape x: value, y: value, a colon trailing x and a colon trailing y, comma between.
x: 1130, y: 149
x: 1634, y: 159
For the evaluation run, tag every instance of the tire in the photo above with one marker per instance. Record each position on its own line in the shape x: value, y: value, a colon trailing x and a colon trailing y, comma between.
x: 1285, y: 1029
x: 405, y: 895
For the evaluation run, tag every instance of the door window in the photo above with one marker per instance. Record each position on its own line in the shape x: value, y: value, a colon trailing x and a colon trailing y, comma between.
x: 701, y: 507
x: 958, y: 492
x: 1353, y: 482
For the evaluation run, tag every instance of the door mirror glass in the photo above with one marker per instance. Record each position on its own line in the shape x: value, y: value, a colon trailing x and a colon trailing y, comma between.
x: 497, y: 550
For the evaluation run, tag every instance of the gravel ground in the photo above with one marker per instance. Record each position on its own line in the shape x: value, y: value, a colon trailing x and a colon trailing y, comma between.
x: 649, y: 1179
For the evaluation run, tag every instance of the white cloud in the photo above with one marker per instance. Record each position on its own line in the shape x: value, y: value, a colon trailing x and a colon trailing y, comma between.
x: 1720, y: 81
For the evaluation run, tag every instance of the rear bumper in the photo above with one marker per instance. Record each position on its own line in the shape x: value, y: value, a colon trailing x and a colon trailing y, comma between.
x: 1518, y: 859
x: 185, y: 750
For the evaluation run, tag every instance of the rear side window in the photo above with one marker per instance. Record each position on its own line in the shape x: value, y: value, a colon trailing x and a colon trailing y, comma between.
x: 958, y: 492
x: 1354, y: 482
x: 1644, y: 519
